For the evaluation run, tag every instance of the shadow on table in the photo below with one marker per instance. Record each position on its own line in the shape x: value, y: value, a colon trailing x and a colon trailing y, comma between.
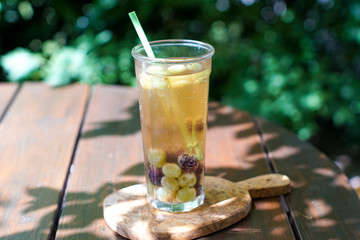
x: 312, y: 210
x: 117, y: 127
x: 322, y: 203
x: 86, y: 206
x: 218, y: 116
x: 84, y: 209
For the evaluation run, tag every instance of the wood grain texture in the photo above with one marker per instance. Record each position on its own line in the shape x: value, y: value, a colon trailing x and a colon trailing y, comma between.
x: 128, y: 212
x: 268, y: 185
x: 38, y: 134
x: 109, y: 157
x: 322, y: 202
x: 7, y: 91
x: 234, y: 152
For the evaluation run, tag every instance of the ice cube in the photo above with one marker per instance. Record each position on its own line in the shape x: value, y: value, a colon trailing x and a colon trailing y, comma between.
x: 176, y: 68
x: 194, y: 67
x: 156, y: 70
x: 179, y: 83
x: 200, y: 80
x: 145, y: 81
x: 159, y: 82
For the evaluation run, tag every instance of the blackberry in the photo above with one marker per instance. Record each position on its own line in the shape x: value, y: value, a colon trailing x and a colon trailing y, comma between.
x: 188, y: 163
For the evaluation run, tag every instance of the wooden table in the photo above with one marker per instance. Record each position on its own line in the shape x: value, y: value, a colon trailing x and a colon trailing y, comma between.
x: 63, y: 150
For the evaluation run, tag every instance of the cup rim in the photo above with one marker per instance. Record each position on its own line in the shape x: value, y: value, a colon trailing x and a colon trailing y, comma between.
x: 183, y: 42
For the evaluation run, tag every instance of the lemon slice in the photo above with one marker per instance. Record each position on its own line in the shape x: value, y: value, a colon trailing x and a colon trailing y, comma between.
x: 182, y: 80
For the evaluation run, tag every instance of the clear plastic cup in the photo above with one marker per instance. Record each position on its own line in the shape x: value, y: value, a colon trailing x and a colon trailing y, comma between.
x: 173, y: 97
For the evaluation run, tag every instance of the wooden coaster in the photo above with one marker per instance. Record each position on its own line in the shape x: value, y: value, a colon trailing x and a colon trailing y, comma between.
x: 128, y: 213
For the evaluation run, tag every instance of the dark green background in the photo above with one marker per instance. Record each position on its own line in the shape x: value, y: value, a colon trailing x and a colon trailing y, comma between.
x: 295, y: 63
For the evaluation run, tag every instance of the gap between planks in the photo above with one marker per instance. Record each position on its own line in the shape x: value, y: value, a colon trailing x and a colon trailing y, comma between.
x: 62, y: 195
x: 12, y: 99
x: 284, y: 204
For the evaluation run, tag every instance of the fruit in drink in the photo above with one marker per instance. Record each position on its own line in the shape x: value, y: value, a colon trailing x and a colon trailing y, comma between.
x: 155, y: 175
x: 157, y: 157
x: 165, y: 195
x: 188, y: 163
x: 187, y: 180
x: 171, y: 170
x: 173, y: 109
x: 186, y: 194
x: 170, y: 184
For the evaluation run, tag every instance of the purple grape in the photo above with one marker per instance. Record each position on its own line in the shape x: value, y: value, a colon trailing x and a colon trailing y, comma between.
x: 199, y: 189
x: 155, y: 175
x: 199, y: 172
x: 188, y: 163
x: 200, y: 169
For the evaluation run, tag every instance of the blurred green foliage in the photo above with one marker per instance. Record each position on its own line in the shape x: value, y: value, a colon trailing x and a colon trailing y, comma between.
x: 296, y: 63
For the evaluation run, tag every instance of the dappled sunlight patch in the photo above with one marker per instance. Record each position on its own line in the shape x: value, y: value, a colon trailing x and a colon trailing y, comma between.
x: 278, y: 231
x: 141, y: 228
x: 324, y: 223
x: 252, y: 159
x: 280, y: 218
x: 269, y: 204
x: 246, y: 126
x: 247, y: 229
x: 67, y: 219
x: 317, y: 208
x: 341, y: 181
x: 183, y: 228
x: 285, y: 151
x: 128, y: 206
x: 327, y: 172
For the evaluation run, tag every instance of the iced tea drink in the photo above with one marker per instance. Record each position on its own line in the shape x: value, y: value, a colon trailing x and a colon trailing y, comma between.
x: 173, y: 96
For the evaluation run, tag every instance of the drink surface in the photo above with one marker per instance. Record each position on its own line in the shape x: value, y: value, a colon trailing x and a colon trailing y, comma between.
x: 173, y: 109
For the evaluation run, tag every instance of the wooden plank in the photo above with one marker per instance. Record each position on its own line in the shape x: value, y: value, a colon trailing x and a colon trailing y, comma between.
x: 7, y: 91
x: 234, y: 152
x: 37, y: 139
x: 110, y: 157
x: 322, y: 202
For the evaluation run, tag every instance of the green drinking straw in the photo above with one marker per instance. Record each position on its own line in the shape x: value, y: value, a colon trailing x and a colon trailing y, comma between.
x: 135, y: 21
x: 149, y: 52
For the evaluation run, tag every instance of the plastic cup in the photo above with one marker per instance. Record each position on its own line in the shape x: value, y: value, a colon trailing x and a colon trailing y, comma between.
x: 173, y: 97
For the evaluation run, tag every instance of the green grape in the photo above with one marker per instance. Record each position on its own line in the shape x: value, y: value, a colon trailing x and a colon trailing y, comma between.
x: 165, y: 195
x: 171, y: 170
x: 150, y: 188
x: 157, y: 157
x: 186, y: 194
x: 170, y: 184
x: 187, y: 180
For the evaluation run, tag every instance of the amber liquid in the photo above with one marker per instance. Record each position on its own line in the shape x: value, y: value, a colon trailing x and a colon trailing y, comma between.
x: 173, y: 111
